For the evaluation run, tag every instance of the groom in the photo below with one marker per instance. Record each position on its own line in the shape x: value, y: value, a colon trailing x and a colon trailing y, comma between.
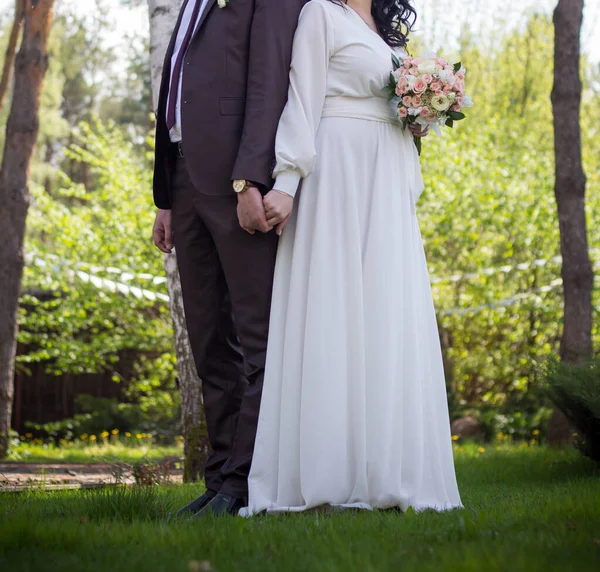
x: 224, y: 87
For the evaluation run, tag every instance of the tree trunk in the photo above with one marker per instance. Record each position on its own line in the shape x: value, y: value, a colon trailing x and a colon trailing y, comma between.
x: 11, y: 50
x: 163, y: 16
x: 577, y: 273
x: 21, y: 134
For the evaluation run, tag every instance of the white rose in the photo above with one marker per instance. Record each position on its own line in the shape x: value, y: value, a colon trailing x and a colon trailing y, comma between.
x: 222, y: 3
x: 451, y: 96
x: 467, y: 101
x: 411, y: 80
x: 447, y: 76
x: 440, y: 102
x: 427, y: 67
x: 414, y: 110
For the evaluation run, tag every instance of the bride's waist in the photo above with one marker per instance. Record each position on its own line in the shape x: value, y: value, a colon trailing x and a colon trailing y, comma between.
x: 370, y: 108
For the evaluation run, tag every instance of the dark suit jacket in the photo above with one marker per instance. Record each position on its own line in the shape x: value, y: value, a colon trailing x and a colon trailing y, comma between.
x: 235, y: 85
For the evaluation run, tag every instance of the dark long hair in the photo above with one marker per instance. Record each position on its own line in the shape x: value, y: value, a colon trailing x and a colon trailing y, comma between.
x: 393, y: 18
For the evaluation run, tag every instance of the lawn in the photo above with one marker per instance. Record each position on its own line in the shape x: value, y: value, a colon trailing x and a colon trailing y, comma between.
x: 83, y: 452
x: 527, y: 508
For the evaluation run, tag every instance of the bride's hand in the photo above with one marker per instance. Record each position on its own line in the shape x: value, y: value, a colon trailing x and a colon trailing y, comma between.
x: 278, y: 208
x: 418, y: 131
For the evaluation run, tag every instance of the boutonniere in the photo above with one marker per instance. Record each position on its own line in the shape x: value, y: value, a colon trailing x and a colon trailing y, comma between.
x: 223, y: 3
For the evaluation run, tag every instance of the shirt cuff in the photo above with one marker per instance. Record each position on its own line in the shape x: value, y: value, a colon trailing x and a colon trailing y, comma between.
x: 287, y: 182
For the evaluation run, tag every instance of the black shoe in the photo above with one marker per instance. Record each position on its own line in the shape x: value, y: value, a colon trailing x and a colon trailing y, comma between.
x: 222, y: 505
x: 197, y: 505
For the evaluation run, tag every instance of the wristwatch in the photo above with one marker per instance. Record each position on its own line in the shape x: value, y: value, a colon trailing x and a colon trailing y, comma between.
x: 240, y: 186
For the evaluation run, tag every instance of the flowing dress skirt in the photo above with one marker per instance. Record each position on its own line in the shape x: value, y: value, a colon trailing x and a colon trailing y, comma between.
x: 354, y: 409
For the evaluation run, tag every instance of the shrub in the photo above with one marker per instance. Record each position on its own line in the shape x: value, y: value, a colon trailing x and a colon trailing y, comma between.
x: 575, y: 389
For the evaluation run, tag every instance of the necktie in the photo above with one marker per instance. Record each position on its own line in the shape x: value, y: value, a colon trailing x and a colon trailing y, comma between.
x: 176, y: 71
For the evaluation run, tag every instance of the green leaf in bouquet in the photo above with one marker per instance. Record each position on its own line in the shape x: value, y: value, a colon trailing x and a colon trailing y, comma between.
x: 390, y: 88
x: 456, y: 115
x: 450, y: 122
x: 395, y: 61
x: 457, y: 67
x: 389, y: 91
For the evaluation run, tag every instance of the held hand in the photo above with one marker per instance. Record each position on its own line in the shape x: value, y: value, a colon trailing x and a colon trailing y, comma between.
x: 162, y: 232
x: 278, y: 208
x: 251, y: 212
x: 417, y: 130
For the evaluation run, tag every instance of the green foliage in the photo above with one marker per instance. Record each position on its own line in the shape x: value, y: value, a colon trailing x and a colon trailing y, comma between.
x: 489, y: 204
x: 575, y: 389
x: 518, y: 426
x: 79, y: 317
x: 155, y: 413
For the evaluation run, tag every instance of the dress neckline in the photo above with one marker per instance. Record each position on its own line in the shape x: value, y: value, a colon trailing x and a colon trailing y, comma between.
x: 366, y: 25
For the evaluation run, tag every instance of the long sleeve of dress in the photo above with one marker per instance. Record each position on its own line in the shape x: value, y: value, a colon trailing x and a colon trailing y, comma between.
x: 295, y: 144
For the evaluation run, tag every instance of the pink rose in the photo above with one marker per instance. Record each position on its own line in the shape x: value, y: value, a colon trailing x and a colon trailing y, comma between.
x: 460, y: 76
x: 459, y: 86
x: 401, y: 86
x: 459, y: 101
x: 456, y: 107
x: 403, y: 112
x: 427, y: 78
x: 424, y: 112
x: 442, y: 62
x: 447, y: 89
x: 416, y: 101
x: 407, y: 100
x: 414, y: 71
x: 404, y: 72
x: 419, y: 86
x: 407, y: 63
x: 436, y: 86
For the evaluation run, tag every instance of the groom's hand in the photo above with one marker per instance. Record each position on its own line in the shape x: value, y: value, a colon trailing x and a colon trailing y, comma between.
x: 251, y: 212
x: 418, y: 131
x: 162, y: 233
x: 278, y: 208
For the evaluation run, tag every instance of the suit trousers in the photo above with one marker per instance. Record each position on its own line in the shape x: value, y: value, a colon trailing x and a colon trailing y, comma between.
x: 226, y: 279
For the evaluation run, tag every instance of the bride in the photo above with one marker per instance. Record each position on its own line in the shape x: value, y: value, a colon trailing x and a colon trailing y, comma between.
x: 354, y: 409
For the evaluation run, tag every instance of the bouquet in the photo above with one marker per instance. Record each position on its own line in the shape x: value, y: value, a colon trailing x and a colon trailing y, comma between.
x: 428, y: 91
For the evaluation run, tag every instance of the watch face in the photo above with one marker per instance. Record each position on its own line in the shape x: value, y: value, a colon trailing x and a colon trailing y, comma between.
x: 239, y: 186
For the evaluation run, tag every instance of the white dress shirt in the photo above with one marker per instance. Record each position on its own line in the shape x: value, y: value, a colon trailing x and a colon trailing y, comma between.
x: 175, y: 133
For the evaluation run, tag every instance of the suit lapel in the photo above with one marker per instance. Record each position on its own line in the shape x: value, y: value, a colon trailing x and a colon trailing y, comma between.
x: 209, y: 6
x: 171, y: 47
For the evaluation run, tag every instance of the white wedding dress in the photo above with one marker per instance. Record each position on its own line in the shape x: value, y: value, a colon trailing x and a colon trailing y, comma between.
x: 354, y: 410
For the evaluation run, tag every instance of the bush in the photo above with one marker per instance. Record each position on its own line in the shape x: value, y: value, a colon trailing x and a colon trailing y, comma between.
x: 575, y: 389
x: 518, y: 425
x: 100, y: 414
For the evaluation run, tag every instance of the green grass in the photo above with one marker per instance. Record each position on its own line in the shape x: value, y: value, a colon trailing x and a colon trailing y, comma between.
x: 527, y: 509
x: 81, y: 452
